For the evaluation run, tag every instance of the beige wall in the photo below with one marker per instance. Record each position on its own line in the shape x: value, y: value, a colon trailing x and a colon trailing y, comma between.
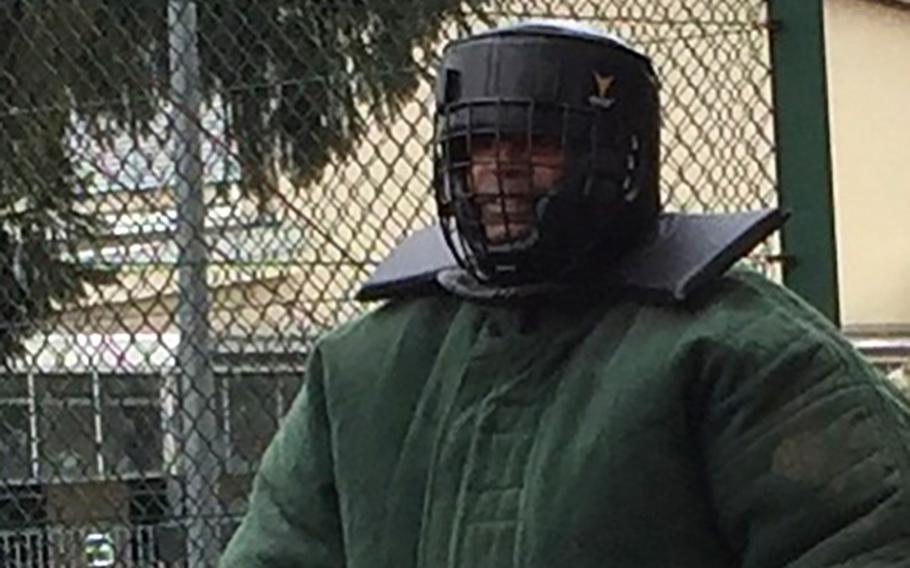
x: 869, y: 76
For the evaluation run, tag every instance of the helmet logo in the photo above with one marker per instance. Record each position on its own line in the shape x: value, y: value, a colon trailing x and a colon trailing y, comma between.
x: 602, y: 83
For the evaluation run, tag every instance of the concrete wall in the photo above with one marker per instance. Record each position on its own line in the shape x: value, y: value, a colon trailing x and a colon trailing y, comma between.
x: 869, y: 88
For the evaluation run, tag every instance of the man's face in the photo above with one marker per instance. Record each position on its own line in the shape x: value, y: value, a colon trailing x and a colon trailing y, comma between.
x: 507, y: 176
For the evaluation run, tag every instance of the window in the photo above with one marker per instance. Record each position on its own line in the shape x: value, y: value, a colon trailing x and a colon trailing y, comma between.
x: 90, y: 425
x: 253, y: 417
x: 15, y: 428
x: 148, y: 501
x: 75, y: 426
x: 66, y: 426
x: 255, y: 404
x: 232, y: 233
x: 15, y: 441
x: 22, y: 505
x: 131, y: 429
x: 132, y: 439
x: 126, y: 162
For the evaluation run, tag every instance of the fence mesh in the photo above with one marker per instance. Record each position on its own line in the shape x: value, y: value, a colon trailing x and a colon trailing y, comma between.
x: 189, y: 194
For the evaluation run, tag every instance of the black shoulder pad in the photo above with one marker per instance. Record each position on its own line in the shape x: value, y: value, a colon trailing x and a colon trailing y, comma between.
x: 410, y: 269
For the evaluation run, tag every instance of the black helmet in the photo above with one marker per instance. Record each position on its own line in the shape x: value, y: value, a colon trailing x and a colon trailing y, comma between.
x: 540, y: 82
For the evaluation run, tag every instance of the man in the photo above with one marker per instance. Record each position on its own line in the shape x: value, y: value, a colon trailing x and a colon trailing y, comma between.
x: 565, y: 376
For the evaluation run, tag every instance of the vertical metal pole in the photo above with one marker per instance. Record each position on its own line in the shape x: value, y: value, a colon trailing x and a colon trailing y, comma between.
x: 199, y: 457
x: 97, y: 410
x: 33, y: 426
x: 804, y: 151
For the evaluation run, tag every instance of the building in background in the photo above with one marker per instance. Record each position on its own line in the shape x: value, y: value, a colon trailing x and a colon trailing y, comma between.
x: 87, y: 434
x: 868, y: 42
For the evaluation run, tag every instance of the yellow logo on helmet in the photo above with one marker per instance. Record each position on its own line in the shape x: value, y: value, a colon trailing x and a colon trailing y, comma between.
x: 602, y: 83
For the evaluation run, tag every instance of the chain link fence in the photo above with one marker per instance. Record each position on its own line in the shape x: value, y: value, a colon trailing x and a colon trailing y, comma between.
x: 191, y: 193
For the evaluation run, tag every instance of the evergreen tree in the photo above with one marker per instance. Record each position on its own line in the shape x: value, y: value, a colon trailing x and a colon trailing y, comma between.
x: 291, y: 74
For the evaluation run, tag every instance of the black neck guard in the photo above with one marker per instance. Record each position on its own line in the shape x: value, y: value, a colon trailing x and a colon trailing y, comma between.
x: 686, y: 253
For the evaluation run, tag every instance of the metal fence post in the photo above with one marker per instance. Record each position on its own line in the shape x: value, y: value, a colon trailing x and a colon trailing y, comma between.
x: 804, y: 151
x: 199, y: 457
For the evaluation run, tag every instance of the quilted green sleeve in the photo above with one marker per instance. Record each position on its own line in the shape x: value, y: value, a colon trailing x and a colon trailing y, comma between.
x: 293, y: 517
x: 807, y: 449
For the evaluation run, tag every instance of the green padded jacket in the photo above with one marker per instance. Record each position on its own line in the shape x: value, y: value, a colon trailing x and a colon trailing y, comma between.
x: 735, y: 430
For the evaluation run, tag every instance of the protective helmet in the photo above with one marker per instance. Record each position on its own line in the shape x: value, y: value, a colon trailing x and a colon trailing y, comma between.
x: 546, y: 83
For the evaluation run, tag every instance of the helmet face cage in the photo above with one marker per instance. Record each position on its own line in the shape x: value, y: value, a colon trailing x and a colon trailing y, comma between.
x: 601, y: 199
